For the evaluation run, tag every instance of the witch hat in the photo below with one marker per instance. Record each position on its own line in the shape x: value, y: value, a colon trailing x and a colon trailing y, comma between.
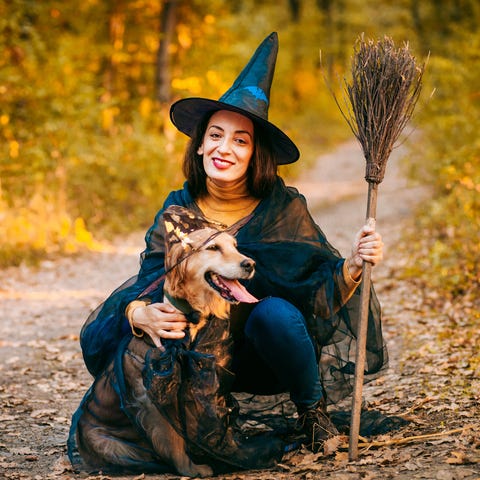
x: 249, y: 95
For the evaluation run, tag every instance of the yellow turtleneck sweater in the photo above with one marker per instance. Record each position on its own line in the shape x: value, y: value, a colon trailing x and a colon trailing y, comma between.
x: 227, y: 204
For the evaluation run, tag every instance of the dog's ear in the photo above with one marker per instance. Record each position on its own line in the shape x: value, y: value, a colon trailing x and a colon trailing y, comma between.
x: 176, y: 253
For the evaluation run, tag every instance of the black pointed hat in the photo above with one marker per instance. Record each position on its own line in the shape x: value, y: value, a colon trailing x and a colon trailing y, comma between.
x: 249, y: 95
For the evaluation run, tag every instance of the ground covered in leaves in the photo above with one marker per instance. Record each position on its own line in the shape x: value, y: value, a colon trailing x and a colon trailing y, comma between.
x: 433, y: 380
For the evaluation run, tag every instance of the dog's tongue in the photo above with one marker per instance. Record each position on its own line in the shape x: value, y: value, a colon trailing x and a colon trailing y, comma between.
x: 239, y: 291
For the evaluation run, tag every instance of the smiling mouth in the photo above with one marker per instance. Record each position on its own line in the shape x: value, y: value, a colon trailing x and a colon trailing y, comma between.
x: 229, y: 289
x: 221, y: 162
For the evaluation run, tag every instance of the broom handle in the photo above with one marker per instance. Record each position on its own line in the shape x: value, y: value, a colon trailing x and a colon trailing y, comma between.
x: 362, y: 336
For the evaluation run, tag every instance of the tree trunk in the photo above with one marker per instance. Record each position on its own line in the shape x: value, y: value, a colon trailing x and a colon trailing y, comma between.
x: 167, y: 26
x: 295, y: 10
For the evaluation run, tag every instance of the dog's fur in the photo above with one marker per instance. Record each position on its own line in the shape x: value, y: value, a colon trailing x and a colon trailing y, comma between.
x: 187, y: 280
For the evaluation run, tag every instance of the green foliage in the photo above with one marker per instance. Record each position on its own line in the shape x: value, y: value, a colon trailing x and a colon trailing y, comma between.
x: 80, y: 152
x: 449, y: 225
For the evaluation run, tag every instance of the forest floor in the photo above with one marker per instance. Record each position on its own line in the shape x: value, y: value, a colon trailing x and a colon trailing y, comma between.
x: 431, y: 382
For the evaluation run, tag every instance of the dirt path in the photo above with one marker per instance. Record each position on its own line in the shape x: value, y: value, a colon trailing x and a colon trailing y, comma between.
x: 43, y: 377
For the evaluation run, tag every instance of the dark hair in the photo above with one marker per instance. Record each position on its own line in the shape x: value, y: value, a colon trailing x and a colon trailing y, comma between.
x: 262, y: 171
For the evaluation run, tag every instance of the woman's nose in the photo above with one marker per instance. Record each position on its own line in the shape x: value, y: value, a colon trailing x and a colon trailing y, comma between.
x: 225, y: 146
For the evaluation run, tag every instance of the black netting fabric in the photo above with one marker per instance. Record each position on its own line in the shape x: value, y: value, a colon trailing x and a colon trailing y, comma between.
x: 192, y: 390
x: 294, y: 261
x: 189, y: 386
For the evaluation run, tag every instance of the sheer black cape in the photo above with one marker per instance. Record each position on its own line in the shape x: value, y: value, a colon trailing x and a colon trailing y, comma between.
x: 294, y: 261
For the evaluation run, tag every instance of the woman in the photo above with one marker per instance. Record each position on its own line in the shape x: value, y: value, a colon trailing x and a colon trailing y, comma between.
x: 309, y: 305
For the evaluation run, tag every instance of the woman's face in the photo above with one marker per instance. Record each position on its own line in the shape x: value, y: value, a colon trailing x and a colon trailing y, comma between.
x: 227, y: 147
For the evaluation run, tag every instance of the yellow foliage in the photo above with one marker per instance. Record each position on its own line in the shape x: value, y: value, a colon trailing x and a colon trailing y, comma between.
x: 192, y: 84
x: 64, y: 226
x: 42, y: 226
x: 306, y: 83
x: 4, y: 119
x: 209, y: 19
x: 151, y: 41
x: 68, y: 69
x: 217, y: 80
x: 108, y: 117
x: 146, y: 107
x: 120, y: 56
x: 14, y: 148
x: 82, y: 235
x: 468, y: 183
x: 184, y: 36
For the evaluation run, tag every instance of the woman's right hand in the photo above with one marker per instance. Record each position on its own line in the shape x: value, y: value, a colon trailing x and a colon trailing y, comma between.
x: 159, y: 320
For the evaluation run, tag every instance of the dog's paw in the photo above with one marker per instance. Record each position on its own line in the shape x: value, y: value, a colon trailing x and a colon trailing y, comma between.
x: 194, y: 470
x: 204, y: 471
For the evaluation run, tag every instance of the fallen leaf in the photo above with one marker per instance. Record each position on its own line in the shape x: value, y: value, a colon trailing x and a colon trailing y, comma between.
x: 341, y: 457
x: 409, y: 466
x: 43, y: 413
x: 331, y: 445
x: 21, y: 451
x: 369, y: 476
x: 457, y: 458
x: 444, y: 475
x: 62, y: 465
x: 6, y: 417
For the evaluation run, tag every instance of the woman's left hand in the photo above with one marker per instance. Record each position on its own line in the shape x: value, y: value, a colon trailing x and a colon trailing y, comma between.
x: 367, y: 246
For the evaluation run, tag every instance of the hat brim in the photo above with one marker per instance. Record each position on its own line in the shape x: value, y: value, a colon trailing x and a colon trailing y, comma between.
x: 186, y: 113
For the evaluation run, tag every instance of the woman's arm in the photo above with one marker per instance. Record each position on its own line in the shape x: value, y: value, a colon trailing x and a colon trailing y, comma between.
x: 108, y: 325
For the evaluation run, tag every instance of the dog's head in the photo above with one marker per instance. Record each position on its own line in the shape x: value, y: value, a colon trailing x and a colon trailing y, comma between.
x: 203, y: 264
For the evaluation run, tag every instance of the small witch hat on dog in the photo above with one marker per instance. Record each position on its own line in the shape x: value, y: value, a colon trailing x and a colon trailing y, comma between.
x: 179, y: 223
x: 249, y: 95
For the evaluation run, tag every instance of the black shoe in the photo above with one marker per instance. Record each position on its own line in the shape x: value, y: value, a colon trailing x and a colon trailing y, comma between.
x: 316, y: 425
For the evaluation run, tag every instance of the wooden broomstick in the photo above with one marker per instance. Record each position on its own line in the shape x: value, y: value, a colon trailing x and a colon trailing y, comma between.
x: 380, y: 100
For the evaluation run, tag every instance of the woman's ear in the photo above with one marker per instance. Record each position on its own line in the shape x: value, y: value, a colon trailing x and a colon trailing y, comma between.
x: 200, y: 149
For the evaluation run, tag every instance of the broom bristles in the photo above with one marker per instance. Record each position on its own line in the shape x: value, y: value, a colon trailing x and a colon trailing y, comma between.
x: 380, y: 99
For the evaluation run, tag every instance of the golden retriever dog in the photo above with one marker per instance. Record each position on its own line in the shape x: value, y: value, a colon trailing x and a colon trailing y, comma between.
x: 203, y: 269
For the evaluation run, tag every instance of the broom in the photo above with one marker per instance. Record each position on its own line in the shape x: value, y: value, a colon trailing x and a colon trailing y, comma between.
x: 380, y: 100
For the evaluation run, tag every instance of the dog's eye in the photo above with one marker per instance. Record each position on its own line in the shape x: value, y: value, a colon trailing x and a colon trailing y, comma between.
x: 213, y: 248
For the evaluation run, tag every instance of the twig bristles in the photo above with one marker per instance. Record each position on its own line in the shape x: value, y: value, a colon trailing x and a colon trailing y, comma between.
x: 380, y: 99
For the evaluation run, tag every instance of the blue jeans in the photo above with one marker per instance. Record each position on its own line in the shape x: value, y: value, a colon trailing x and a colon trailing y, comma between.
x: 276, y: 354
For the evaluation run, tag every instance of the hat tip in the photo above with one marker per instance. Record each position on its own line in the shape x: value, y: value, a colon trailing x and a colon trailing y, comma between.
x: 273, y: 36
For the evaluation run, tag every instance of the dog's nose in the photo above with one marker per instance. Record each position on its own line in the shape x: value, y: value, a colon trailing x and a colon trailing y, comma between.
x: 248, y: 265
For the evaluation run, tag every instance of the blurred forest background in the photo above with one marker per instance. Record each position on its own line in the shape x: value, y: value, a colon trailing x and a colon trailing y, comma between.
x: 87, y: 150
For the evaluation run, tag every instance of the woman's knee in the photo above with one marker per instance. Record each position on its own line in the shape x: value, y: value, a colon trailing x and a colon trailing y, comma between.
x: 271, y: 315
